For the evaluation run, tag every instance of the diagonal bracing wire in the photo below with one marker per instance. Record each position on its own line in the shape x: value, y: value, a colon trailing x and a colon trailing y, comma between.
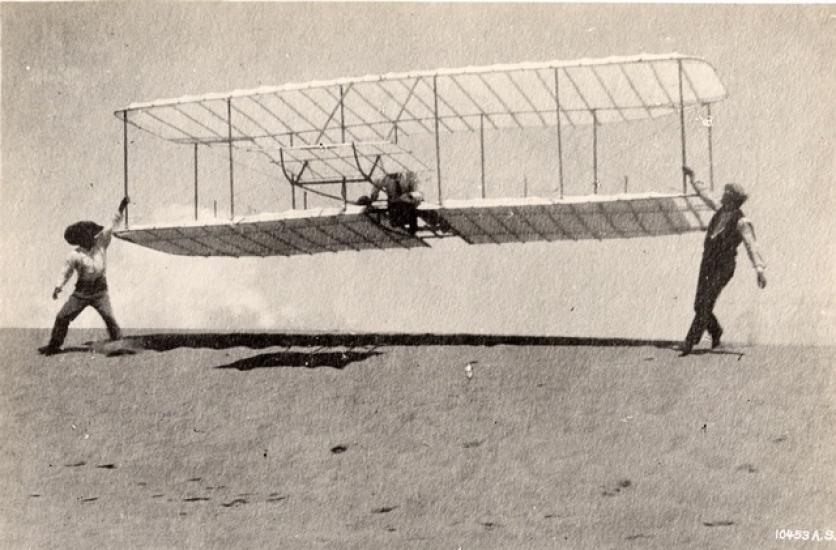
x: 258, y: 125
x: 499, y: 98
x: 688, y: 81
x: 461, y: 118
x: 290, y: 130
x: 196, y: 121
x: 415, y: 117
x: 391, y: 96
x: 364, y: 123
x: 607, y: 92
x: 578, y: 90
x: 428, y: 106
x: 635, y: 90
x: 330, y: 116
x: 472, y: 100
x: 552, y: 95
x: 164, y: 122
x: 662, y: 86
x: 313, y: 126
x: 527, y: 99
x: 224, y: 120
x: 403, y: 108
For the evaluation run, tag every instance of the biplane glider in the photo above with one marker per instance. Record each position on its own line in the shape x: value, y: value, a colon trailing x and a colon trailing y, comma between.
x: 336, y: 138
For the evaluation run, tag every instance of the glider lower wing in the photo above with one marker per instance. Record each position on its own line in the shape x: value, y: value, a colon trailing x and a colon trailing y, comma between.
x: 576, y: 218
x: 481, y: 221
x: 294, y: 233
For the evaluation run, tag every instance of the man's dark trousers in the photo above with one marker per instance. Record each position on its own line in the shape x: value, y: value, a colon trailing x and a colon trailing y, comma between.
x: 76, y: 303
x: 713, y: 278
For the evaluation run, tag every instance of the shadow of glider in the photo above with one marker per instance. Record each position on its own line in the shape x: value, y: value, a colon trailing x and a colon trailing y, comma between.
x: 355, y: 347
x: 333, y: 359
x: 218, y: 341
x: 325, y: 136
x: 323, y: 354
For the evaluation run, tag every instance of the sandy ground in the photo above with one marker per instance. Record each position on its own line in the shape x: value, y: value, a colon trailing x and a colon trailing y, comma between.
x: 283, y: 441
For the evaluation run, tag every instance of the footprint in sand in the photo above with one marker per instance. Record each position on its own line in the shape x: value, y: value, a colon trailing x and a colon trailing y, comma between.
x: 621, y: 485
x: 383, y: 509
x: 235, y: 502
x: 720, y: 523
x: 195, y: 499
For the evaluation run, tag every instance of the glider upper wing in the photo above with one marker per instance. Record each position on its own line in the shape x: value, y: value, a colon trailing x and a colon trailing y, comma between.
x: 380, y: 107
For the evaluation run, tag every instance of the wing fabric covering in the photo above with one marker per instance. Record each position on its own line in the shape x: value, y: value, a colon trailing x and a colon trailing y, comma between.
x: 526, y: 220
x: 475, y: 221
x: 294, y: 233
x: 377, y: 108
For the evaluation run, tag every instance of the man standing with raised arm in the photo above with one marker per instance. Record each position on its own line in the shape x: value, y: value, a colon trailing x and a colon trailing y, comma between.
x: 726, y: 230
x: 89, y: 260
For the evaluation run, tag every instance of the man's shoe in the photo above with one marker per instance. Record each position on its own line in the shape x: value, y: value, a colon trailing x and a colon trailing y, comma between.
x: 49, y: 350
x: 715, y: 339
x: 685, y: 349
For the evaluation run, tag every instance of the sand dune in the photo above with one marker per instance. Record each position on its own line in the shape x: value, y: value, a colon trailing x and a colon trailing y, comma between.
x: 187, y: 440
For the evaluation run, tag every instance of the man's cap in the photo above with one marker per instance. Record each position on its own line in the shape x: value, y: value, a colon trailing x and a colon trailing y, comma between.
x: 736, y: 192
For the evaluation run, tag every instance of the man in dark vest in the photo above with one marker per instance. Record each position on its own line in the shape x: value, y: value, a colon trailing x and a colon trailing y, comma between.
x: 402, y: 198
x: 726, y: 230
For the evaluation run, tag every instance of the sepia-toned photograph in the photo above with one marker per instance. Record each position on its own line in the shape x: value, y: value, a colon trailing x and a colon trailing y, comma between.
x: 360, y: 275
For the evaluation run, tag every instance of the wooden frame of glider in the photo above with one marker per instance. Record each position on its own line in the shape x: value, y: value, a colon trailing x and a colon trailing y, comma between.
x: 322, y: 133
x: 346, y: 111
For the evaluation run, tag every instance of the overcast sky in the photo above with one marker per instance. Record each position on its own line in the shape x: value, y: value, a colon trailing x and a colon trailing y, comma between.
x: 66, y: 67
